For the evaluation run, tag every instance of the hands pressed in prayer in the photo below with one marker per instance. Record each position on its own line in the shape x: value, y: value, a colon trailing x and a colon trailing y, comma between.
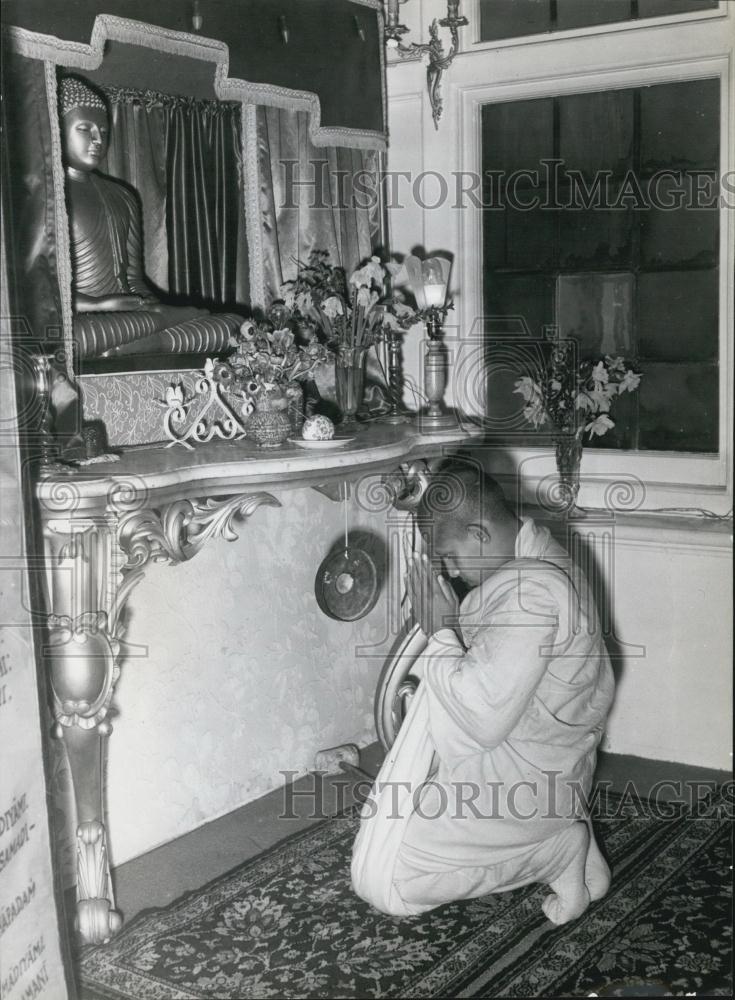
x: 433, y: 602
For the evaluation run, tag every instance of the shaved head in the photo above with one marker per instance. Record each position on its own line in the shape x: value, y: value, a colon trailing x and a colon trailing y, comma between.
x: 466, y: 522
x: 463, y: 491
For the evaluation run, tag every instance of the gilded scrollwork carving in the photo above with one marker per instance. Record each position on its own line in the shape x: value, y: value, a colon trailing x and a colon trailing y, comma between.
x: 96, y: 920
x: 178, y: 531
x: 94, y: 562
x: 83, y: 657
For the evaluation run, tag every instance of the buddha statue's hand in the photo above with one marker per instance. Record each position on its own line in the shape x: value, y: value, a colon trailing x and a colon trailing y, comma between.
x: 113, y: 303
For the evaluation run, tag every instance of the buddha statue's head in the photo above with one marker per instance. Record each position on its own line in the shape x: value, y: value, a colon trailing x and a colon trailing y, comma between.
x: 84, y: 124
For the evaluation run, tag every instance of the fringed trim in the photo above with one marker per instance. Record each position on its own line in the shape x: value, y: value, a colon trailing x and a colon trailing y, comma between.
x: 253, y: 227
x: 108, y: 27
x: 63, y: 251
x: 150, y: 99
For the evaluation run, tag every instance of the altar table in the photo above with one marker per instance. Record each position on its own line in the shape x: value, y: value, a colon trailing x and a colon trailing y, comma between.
x: 104, y: 524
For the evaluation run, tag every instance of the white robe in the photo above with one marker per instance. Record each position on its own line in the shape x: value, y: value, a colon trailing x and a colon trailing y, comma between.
x: 509, y: 717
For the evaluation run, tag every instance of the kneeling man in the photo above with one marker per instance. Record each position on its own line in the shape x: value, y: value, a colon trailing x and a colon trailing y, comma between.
x: 484, y: 788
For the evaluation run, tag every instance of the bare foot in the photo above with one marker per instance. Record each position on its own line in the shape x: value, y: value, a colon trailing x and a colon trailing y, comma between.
x: 570, y: 898
x: 596, y: 870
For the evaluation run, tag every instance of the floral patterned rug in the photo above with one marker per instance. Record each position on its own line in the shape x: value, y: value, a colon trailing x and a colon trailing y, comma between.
x: 286, y: 924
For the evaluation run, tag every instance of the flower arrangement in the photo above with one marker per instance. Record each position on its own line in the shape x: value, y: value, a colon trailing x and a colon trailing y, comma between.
x: 574, y: 399
x: 353, y: 313
x: 266, y: 358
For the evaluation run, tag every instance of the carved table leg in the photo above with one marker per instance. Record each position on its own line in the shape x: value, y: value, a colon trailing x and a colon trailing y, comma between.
x: 96, y: 920
x: 94, y: 564
x: 83, y: 671
x: 81, y: 659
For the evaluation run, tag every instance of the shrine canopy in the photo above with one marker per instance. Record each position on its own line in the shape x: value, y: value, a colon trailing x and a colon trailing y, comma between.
x: 330, y: 50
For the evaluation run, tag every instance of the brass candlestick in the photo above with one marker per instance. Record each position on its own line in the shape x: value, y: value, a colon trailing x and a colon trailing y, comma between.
x: 395, y: 385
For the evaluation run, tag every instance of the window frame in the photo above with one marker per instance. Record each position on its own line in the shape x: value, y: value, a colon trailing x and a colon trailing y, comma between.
x: 660, y: 51
x: 473, y: 16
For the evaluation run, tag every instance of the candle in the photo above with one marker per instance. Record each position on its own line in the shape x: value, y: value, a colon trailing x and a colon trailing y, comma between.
x: 391, y: 13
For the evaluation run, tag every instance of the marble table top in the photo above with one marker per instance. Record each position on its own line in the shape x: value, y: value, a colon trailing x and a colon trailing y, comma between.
x: 164, y: 473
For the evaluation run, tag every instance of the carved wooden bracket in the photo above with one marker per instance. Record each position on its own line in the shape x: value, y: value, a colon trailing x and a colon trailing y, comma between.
x: 178, y: 531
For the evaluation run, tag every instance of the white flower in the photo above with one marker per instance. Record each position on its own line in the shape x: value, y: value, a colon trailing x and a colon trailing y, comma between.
x: 208, y: 367
x: 370, y: 273
x: 535, y: 413
x: 555, y: 384
x: 582, y: 401
x: 615, y: 364
x: 601, y: 396
x: 304, y: 302
x: 600, y: 373
x: 629, y: 382
x: 527, y: 388
x: 332, y: 307
x: 600, y: 425
x: 247, y: 330
x: 366, y: 299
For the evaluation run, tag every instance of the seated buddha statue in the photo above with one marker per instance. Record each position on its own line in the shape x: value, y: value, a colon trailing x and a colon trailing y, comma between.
x: 115, y: 311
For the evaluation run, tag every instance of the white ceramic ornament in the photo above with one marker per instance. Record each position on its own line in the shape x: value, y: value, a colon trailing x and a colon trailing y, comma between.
x: 318, y: 428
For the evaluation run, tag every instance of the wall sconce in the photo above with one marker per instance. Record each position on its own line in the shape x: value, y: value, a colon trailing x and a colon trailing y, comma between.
x: 438, y: 59
x: 429, y: 282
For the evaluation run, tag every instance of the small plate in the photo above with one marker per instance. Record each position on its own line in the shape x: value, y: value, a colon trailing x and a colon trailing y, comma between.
x: 335, y: 442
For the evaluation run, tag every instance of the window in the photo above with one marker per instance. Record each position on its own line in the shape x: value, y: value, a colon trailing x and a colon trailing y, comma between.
x: 601, y: 218
x: 516, y: 18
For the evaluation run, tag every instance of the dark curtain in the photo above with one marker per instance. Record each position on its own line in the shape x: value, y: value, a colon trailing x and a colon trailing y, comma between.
x: 183, y: 156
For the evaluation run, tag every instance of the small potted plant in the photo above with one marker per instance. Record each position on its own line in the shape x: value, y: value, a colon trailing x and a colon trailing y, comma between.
x: 573, y: 398
x: 264, y: 365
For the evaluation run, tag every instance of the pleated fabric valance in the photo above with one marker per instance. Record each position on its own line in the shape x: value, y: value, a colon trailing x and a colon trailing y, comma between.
x: 320, y: 56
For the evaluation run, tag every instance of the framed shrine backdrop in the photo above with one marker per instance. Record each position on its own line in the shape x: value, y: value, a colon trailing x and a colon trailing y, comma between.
x: 244, y: 153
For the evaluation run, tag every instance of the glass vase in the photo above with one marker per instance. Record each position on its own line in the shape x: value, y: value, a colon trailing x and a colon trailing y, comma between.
x: 349, y: 376
x: 568, y: 448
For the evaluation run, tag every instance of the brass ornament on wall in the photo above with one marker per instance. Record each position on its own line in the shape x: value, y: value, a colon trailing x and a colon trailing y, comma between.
x: 438, y: 59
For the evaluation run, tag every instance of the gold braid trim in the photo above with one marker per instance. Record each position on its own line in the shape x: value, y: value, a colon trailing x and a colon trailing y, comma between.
x: 63, y: 251
x: 109, y: 27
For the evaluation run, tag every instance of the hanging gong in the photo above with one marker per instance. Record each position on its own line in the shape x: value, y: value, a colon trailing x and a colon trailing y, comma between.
x: 347, y: 584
